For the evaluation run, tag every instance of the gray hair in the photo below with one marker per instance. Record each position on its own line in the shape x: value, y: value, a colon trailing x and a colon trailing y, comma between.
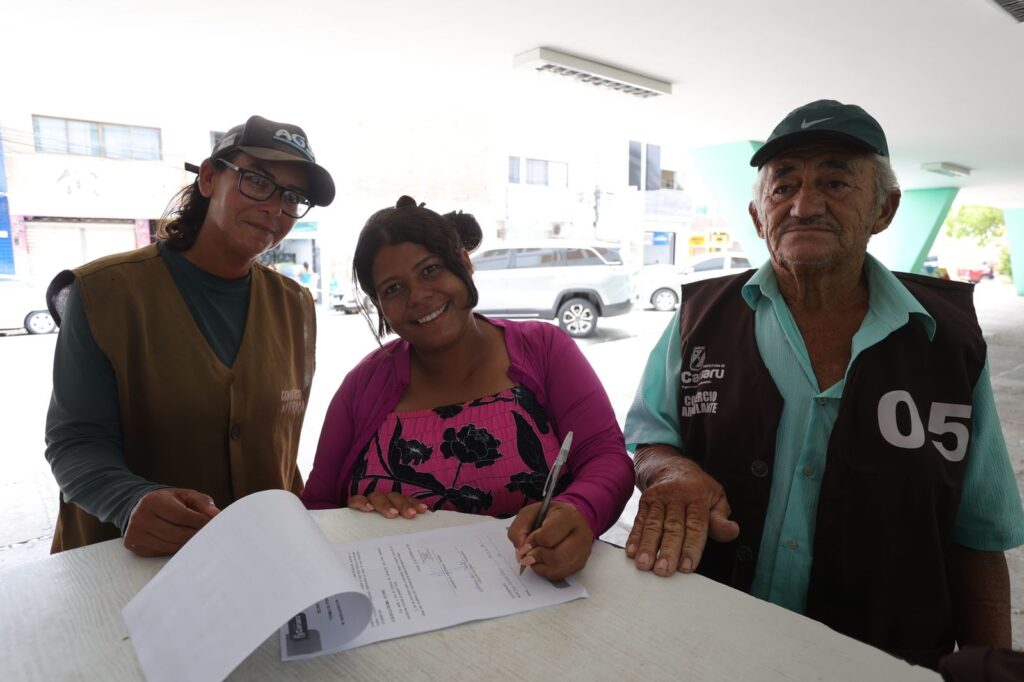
x: 885, y: 184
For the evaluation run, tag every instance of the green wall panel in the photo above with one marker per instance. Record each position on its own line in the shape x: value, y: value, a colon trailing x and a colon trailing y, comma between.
x: 905, y: 244
x: 729, y: 176
x: 1015, y: 231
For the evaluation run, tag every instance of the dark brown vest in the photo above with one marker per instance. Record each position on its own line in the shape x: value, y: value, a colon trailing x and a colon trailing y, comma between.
x: 895, y: 460
x: 188, y: 421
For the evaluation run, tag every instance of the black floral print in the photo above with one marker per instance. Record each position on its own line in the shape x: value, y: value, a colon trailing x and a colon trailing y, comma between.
x: 411, y: 451
x: 448, y: 411
x: 471, y: 445
x: 467, y: 499
x: 526, y: 399
x: 531, y: 483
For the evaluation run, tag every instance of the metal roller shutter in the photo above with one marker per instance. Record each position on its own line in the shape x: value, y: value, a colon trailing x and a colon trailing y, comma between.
x: 56, y: 246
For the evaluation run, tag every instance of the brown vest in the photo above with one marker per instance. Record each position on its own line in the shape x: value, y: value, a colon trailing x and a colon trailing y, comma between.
x: 895, y: 461
x: 187, y: 420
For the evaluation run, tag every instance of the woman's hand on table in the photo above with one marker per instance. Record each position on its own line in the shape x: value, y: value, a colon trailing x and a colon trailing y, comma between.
x: 167, y: 518
x: 390, y: 505
x: 559, y: 548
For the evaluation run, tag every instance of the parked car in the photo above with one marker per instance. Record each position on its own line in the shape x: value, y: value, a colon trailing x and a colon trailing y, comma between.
x: 23, y: 306
x: 347, y: 300
x: 573, y: 282
x: 661, y: 283
x: 975, y: 274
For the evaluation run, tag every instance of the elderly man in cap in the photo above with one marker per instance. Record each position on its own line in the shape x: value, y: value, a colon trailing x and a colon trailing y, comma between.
x: 183, y: 368
x: 829, y: 423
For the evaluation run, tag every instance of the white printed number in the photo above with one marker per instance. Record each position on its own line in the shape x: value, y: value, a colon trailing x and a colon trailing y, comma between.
x: 939, y: 424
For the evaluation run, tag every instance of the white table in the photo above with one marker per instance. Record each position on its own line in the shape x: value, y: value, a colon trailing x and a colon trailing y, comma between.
x: 60, y: 618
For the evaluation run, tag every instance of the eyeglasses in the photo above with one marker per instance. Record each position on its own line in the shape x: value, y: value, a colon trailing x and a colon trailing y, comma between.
x: 259, y: 187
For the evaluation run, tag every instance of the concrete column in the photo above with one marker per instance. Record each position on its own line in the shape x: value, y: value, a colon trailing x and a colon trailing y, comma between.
x: 1015, y: 232
x: 904, y: 245
x: 729, y: 176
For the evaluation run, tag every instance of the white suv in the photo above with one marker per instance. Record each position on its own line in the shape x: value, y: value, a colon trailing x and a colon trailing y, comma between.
x: 571, y: 281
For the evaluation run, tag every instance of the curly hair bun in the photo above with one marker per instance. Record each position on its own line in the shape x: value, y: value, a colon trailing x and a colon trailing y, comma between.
x: 467, y: 228
x: 404, y: 201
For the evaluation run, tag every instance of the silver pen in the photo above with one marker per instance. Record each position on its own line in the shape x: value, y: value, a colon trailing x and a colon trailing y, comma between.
x: 549, y: 485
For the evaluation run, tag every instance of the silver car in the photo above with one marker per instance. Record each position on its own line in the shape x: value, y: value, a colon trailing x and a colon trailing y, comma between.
x: 23, y: 306
x: 573, y: 282
x: 349, y: 301
x: 661, y: 283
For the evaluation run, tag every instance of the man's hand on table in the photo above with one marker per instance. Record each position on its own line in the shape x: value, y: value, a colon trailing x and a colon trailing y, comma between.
x: 166, y: 519
x: 390, y: 505
x: 679, y: 507
x: 559, y: 548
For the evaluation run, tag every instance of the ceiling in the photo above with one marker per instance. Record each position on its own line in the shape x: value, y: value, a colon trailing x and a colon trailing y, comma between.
x: 943, y: 77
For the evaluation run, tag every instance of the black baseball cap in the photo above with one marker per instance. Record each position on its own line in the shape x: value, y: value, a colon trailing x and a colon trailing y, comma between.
x: 269, y: 140
x: 825, y: 119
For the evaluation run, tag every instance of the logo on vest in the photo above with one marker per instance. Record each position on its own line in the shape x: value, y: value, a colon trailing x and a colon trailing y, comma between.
x: 697, y: 359
x: 700, y: 373
x: 292, y: 402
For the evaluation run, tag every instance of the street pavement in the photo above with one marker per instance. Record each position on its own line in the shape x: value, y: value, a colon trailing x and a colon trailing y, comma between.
x: 28, y: 495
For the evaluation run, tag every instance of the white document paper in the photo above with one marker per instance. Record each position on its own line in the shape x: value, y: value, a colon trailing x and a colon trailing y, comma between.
x: 424, y: 581
x: 263, y: 560
x: 251, y: 568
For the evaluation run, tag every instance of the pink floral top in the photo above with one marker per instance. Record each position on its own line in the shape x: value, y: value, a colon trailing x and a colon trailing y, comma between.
x: 486, y: 456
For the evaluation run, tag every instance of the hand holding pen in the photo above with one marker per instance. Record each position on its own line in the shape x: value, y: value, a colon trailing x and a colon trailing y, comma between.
x: 549, y: 486
x: 552, y: 537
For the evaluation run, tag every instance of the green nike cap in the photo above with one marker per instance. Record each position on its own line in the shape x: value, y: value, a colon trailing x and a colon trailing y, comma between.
x: 825, y: 119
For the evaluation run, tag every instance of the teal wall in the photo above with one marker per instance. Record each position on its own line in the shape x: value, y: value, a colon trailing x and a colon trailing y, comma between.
x: 1015, y: 231
x: 905, y: 244
x: 729, y: 176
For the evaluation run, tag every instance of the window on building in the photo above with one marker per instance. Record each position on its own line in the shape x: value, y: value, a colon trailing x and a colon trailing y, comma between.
x: 652, y: 177
x: 542, y: 172
x: 536, y: 172
x: 90, y: 138
x: 634, y: 163
x: 513, y: 170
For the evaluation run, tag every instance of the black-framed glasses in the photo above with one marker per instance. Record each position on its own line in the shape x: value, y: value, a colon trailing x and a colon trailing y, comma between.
x: 259, y: 187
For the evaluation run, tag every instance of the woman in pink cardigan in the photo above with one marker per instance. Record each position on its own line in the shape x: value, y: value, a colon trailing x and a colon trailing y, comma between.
x: 463, y: 412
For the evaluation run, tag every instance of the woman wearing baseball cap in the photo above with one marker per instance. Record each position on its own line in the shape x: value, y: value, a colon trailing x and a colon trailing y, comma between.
x: 182, y: 369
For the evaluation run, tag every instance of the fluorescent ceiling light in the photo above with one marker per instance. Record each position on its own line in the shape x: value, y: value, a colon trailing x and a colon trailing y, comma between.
x: 953, y: 170
x: 545, y: 60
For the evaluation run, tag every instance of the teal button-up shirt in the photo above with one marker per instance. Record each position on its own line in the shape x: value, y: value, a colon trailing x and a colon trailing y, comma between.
x: 990, y: 516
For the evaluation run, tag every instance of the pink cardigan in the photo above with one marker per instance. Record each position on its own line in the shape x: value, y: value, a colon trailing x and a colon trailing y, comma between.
x: 542, y: 358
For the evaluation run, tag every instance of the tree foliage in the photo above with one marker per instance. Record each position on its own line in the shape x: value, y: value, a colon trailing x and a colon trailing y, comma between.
x: 981, y: 223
